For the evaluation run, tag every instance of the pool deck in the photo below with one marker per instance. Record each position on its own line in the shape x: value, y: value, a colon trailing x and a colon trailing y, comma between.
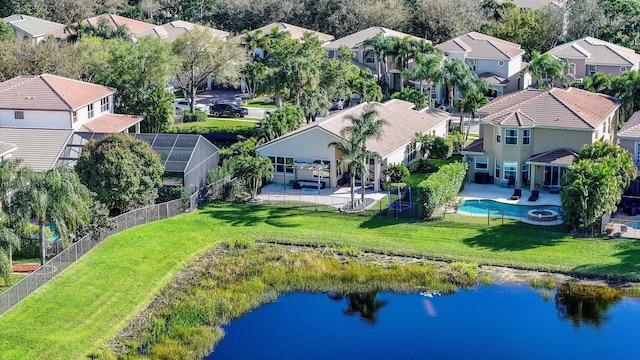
x: 473, y: 191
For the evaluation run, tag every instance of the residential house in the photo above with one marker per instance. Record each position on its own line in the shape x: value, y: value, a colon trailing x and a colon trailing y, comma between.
x: 495, y: 60
x: 629, y: 139
x: 366, y: 56
x: 295, y: 32
x: 171, y: 31
x: 33, y: 30
x: 38, y: 149
x: 6, y: 149
x: 589, y: 55
x: 305, y: 154
x: 134, y: 27
x: 54, y: 102
x: 530, y: 137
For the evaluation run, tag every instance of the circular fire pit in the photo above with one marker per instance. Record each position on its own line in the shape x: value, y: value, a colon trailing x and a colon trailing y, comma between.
x: 542, y: 215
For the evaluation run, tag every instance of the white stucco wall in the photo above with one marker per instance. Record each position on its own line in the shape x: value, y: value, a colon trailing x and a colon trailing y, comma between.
x: 37, y: 119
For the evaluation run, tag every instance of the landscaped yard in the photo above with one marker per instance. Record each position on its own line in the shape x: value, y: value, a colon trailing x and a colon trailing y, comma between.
x: 259, y: 103
x: 85, y: 306
x: 214, y: 125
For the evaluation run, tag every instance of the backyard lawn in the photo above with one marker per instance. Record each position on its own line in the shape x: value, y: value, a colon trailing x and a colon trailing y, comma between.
x: 80, y: 310
x: 214, y: 124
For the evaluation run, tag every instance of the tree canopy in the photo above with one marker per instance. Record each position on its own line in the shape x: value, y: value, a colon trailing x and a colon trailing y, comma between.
x: 123, y: 172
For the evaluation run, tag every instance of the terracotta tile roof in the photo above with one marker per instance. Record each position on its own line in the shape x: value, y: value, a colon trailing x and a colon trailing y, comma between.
x: 296, y: 32
x: 134, y: 26
x: 172, y: 30
x: 632, y: 128
x: 559, y: 156
x: 482, y: 46
x: 38, y: 148
x: 49, y: 92
x: 561, y: 108
x: 404, y: 123
x: 493, y: 79
x: 6, y: 148
x: 477, y: 146
x: 111, y: 123
x: 358, y: 38
x: 32, y: 25
x: 597, y: 52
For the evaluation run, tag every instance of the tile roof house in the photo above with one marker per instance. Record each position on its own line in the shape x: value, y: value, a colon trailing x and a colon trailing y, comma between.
x: 531, y: 136
x: 39, y: 149
x: 133, y: 26
x: 589, y: 55
x: 366, y: 57
x: 296, y: 32
x: 496, y: 60
x: 33, y: 30
x: 54, y: 102
x: 171, y: 31
x: 629, y: 139
x: 304, y: 154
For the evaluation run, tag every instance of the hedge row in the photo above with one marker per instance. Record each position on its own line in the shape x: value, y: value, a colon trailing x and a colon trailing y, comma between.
x: 442, y: 187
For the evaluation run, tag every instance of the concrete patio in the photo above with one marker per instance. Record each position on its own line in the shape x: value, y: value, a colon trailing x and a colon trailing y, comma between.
x: 474, y: 191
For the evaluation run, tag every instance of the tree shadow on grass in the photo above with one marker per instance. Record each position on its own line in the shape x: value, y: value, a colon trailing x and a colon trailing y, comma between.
x: 252, y: 215
x: 516, y: 237
x: 628, y: 268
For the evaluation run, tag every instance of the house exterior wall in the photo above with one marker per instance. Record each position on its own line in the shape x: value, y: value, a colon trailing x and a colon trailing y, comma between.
x: 37, y: 119
x: 612, y: 69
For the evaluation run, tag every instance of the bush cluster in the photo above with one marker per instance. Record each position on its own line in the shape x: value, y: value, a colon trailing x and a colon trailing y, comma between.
x: 198, y: 116
x: 441, y: 187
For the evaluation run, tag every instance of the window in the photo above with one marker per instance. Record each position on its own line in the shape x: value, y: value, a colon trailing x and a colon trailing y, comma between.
x: 332, y: 54
x: 511, y: 136
x: 74, y: 116
x: 572, y: 69
x: 90, y: 110
x: 592, y: 70
x: 553, y: 175
x: 526, y: 136
x: 501, y: 63
x: 320, y: 172
x: 472, y: 64
x: 104, y: 104
x: 18, y: 115
x: 498, y: 137
x: 497, y: 169
x: 510, y: 169
x: 282, y: 164
x: 525, y: 173
x: 411, y: 152
x: 623, y: 69
x: 369, y: 56
x: 482, y: 162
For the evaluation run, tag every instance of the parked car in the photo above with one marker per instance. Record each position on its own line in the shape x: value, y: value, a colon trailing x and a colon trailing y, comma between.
x: 228, y: 109
x: 337, y: 104
x: 184, y: 105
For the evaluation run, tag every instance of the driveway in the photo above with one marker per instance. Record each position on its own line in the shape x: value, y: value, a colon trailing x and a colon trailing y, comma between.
x: 230, y: 95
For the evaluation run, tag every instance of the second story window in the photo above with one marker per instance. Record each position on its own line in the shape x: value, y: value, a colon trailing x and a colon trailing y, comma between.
x: 104, y: 104
x: 18, y: 115
x: 498, y: 137
x: 472, y: 64
x: 572, y: 69
x: 74, y: 116
x: 511, y: 136
x: 90, y: 110
x: 526, y: 136
x: 369, y: 56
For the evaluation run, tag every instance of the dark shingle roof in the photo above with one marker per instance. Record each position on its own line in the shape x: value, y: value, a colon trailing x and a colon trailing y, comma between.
x: 559, y: 156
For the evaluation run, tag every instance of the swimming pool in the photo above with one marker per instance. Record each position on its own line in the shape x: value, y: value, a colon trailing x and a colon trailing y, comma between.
x: 482, y: 207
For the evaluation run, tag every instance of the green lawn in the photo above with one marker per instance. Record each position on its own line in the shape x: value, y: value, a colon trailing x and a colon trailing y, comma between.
x: 13, y: 278
x: 214, y: 124
x: 260, y: 104
x: 84, y: 307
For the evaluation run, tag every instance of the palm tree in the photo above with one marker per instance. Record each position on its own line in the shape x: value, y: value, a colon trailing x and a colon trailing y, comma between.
x: 402, y: 50
x: 255, y: 168
x: 455, y: 74
x: 381, y: 47
x: 8, y: 241
x: 351, y: 157
x: 12, y: 177
x: 426, y: 68
x: 56, y: 197
x: 546, y: 66
x: 472, y: 98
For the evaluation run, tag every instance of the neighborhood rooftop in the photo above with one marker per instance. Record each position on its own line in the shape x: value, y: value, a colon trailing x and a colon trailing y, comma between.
x: 358, y: 38
x: 49, y: 92
x: 296, y: 32
x: 482, y: 46
x: 556, y: 107
x: 172, y: 30
x: 33, y: 26
x: 38, y: 148
x: 597, y: 51
x: 133, y: 26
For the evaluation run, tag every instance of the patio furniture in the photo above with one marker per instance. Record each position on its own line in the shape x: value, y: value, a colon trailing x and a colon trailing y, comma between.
x: 483, y: 178
x: 511, y: 182
x: 535, y: 194
x: 517, y: 193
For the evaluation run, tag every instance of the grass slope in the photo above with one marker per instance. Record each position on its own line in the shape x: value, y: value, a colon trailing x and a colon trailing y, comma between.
x: 85, y: 306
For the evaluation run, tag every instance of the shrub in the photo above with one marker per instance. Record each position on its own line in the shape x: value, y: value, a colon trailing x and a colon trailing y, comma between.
x: 168, y: 193
x: 457, y: 141
x: 198, y: 116
x: 441, y: 149
x: 396, y: 173
x: 442, y: 187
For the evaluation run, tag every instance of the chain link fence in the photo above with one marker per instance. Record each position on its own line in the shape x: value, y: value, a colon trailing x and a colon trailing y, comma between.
x: 311, y: 201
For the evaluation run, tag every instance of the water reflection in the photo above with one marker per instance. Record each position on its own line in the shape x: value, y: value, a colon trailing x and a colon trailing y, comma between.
x: 582, y: 304
x: 367, y: 305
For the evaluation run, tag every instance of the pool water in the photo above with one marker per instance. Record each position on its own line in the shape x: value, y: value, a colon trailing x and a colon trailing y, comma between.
x: 497, y: 208
x: 489, y: 322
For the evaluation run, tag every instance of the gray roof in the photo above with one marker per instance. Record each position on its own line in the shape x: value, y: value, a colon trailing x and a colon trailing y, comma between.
x: 172, y: 30
x: 296, y: 32
x: 358, y: 38
x: 631, y: 130
x: 597, y: 52
x: 38, y: 148
x: 32, y: 26
x: 6, y: 148
x: 482, y: 46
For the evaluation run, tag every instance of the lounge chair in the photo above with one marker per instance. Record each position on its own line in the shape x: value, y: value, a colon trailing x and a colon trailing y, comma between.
x: 535, y: 194
x: 517, y: 193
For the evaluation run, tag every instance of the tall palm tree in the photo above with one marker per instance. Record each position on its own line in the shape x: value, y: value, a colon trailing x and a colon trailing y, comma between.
x: 472, y: 92
x: 454, y: 74
x: 402, y: 50
x: 381, y: 47
x: 12, y: 177
x: 57, y: 197
x: 427, y: 68
x: 547, y: 66
x: 351, y: 157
